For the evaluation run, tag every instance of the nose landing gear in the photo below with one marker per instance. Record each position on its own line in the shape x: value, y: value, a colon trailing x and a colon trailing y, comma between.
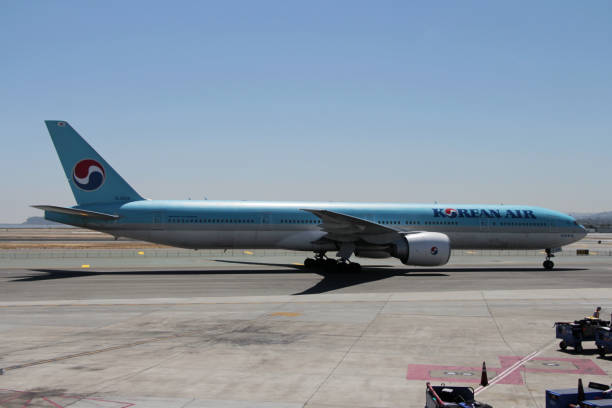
x: 548, y: 264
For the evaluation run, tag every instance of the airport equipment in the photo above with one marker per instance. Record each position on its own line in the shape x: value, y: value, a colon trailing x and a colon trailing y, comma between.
x: 578, y: 397
x: 484, y: 379
x: 443, y: 396
x: 603, y: 340
x: 602, y: 403
x: 573, y: 334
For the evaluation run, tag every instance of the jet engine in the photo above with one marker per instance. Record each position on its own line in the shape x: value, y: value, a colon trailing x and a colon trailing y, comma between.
x: 423, y: 249
x: 372, y: 253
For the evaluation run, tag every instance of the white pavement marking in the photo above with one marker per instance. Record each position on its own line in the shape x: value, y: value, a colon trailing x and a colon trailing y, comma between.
x: 511, y: 369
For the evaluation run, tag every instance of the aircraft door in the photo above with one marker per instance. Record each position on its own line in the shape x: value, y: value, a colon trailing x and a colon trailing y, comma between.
x: 263, y: 235
x: 158, y: 219
x: 484, y: 225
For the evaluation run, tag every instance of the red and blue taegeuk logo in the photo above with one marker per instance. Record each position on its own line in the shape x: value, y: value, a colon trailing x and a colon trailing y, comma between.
x: 450, y: 212
x: 434, y: 250
x: 88, y: 175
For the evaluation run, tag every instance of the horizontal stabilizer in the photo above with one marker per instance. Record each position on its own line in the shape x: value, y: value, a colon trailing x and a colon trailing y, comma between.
x: 75, y: 211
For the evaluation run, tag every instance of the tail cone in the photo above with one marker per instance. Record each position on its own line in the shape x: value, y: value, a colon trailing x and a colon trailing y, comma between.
x: 484, y: 381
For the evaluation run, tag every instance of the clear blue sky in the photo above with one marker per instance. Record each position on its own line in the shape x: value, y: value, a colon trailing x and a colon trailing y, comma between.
x: 458, y: 101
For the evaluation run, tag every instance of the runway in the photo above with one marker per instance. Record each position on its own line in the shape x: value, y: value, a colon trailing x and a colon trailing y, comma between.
x: 274, y: 276
x: 260, y: 331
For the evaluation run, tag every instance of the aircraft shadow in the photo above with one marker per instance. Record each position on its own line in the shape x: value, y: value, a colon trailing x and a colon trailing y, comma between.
x: 504, y: 269
x: 334, y: 280
x: 50, y: 274
x: 585, y: 352
x: 438, y: 271
x: 330, y: 281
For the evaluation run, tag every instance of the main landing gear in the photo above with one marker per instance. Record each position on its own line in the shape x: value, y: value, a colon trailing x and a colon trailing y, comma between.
x: 321, y: 261
x: 548, y: 264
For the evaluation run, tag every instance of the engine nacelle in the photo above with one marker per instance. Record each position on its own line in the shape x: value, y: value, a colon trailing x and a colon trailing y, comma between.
x: 423, y: 249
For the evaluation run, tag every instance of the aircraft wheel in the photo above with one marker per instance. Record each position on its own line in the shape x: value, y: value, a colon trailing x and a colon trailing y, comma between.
x: 548, y: 264
x: 330, y: 265
x: 310, y: 263
x: 602, y: 351
x: 563, y: 345
x: 578, y: 348
x: 343, y: 267
x: 354, y: 267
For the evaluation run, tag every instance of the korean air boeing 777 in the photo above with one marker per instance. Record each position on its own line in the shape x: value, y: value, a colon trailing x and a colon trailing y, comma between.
x: 416, y: 234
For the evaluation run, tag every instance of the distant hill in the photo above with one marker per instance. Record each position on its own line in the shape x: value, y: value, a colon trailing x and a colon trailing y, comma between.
x: 597, y: 221
x: 36, y: 222
x: 39, y: 221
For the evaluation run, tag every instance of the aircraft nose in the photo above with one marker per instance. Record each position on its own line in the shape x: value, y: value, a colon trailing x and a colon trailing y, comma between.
x: 582, y: 232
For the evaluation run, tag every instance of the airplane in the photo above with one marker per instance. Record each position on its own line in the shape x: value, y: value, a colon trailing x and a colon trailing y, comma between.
x: 416, y: 234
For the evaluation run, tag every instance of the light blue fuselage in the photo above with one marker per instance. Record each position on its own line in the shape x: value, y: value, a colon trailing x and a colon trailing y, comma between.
x: 252, y: 224
x: 417, y: 234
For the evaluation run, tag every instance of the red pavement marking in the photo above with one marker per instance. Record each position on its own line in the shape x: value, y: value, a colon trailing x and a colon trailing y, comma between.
x: 52, y: 403
x: 128, y: 404
x: 583, y: 365
x: 17, y: 394
x: 512, y: 369
x: 424, y: 371
x: 56, y: 405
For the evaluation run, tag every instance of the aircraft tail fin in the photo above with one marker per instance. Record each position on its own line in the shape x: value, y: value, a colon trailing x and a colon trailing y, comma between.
x: 91, y: 178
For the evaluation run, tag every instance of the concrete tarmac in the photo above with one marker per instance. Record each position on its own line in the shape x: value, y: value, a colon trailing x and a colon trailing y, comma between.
x: 267, y: 276
x: 263, y: 332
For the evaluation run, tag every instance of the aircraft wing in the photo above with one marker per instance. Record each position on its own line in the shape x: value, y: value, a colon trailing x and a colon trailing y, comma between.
x: 343, y: 227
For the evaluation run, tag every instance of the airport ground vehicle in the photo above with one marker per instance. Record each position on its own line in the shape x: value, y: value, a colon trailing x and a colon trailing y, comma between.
x: 573, y: 334
x: 603, y: 340
x: 595, y: 395
x: 443, y: 396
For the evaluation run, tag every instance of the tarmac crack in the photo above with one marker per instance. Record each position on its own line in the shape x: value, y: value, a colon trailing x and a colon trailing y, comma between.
x: 64, y: 339
x: 243, y: 327
x: 92, y: 352
x: 137, y: 372
x: 499, y: 330
x: 333, y: 370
